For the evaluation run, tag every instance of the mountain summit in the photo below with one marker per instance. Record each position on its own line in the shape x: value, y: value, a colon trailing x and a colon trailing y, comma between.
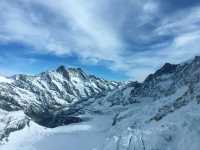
x: 42, y: 97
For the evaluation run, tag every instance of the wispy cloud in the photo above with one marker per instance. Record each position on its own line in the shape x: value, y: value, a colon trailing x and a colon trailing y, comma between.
x: 133, y: 36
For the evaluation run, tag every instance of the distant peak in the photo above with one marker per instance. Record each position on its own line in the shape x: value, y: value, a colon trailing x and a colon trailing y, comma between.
x: 77, y: 72
x: 61, y: 68
x: 197, y: 58
x: 75, y: 69
x: 167, y: 68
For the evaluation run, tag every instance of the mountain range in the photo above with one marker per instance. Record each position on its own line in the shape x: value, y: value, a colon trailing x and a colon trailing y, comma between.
x: 160, y: 113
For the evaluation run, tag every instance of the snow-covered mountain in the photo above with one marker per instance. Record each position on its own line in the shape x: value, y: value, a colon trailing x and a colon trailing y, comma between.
x: 161, y: 113
x: 166, y: 115
x: 49, y: 97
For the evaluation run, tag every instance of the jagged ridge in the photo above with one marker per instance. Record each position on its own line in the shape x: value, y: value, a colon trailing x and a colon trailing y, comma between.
x: 139, y: 109
x: 48, y: 98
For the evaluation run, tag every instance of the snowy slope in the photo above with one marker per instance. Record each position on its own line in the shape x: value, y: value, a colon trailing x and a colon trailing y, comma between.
x: 10, y: 122
x: 51, y: 98
x: 167, y: 114
x: 5, y: 80
x: 162, y: 113
x: 70, y: 137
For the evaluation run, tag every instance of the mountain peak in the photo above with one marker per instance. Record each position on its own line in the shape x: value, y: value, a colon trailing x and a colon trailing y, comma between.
x: 197, y: 58
x: 61, y: 68
x: 77, y: 72
x: 167, y: 68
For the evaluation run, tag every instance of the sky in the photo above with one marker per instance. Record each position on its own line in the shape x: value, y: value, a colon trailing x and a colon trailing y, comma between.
x: 113, y: 39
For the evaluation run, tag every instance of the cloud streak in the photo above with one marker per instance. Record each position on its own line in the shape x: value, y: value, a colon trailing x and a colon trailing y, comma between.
x: 134, y: 36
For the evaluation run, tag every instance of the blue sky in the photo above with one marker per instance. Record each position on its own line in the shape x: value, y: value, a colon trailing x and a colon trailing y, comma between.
x: 114, y: 39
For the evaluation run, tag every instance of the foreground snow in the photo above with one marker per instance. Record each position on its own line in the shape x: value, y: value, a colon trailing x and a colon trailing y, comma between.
x: 177, y: 131
x: 87, y: 136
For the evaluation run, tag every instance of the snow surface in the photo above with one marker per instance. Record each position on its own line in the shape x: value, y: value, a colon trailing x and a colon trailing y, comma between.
x: 87, y: 136
x: 5, y: 80
x: 177, y: 131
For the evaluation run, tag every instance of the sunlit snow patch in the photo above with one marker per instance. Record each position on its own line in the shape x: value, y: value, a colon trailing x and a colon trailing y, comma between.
x: 5, y: 80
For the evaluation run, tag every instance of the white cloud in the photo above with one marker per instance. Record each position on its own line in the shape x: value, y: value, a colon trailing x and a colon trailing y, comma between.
x: 151, y: 7
x: 181, y: 22
x: 185, y: 39
x: 84, y: 28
